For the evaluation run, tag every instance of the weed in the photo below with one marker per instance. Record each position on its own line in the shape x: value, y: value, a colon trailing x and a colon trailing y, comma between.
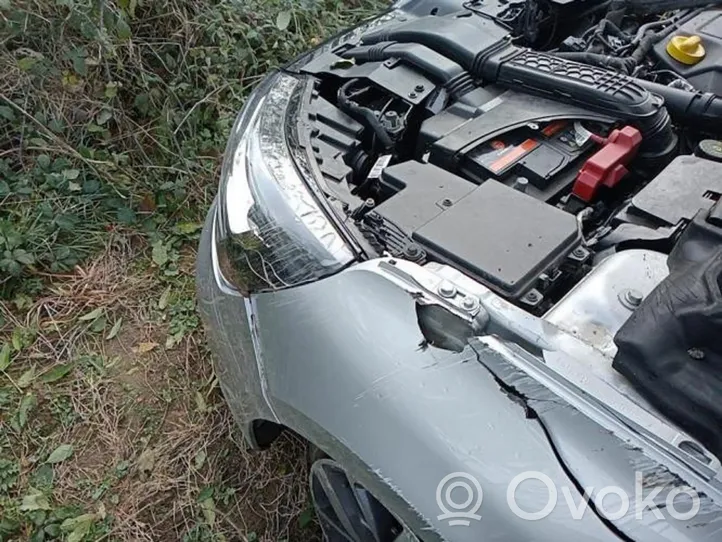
x: 113, y: 121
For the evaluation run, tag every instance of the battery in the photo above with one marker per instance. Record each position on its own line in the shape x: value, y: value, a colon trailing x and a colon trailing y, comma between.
x: 539, y: 155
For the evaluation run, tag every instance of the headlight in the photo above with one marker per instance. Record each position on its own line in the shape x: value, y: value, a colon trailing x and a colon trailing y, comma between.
x: 271, y: 232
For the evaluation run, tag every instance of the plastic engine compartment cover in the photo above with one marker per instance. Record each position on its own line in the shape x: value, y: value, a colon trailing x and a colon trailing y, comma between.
x: 685, y: 186
x: 707, y: 74
x: 504, y: 237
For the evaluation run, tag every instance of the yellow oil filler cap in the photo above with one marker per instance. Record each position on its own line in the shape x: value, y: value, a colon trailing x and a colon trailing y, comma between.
x: 686, y: 49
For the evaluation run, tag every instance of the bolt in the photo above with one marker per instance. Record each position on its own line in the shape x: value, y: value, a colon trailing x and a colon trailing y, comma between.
x: 446, y: 202
x: 533, y: 125
x: 579, y: 253
x: 391, y: 120
x: 412, y: 251
x: 631, y: 299
x: 521, y: 184
x: 412, y: 95
x: 470, y: 304
x: 447, y: 290
x: 532, y: 297
x: 419, y: 88
x: 634, y: 297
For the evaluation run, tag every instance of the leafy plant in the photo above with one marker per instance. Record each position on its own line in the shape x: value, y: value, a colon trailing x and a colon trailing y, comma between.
x: 114, y: 117
x: 9, y: 470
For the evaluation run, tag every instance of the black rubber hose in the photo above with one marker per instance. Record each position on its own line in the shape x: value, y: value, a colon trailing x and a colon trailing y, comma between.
x: 616, y: 12
x: 458, y: 37
x: 650, y: 7
x: 457, y: 81
x: 700, y: 110
x: 363, y: 114
x: 605, y: 25
x: 647, y: 43
x: 596, y: 89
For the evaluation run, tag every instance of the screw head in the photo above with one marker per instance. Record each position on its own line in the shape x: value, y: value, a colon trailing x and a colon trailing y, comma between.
x: 419, y: 88
x: 470, y: 304
x: 412, y: 95
x: 631, y: 298
x: 447, y: 290
x: 446, y: 202
x: 579, y: 253
x: 412, y: 251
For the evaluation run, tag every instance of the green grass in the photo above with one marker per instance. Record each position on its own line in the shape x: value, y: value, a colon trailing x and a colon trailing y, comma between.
x: 113, y: 121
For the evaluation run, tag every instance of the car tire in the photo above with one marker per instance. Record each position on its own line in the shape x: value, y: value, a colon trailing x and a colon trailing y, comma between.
x: 346, y: 511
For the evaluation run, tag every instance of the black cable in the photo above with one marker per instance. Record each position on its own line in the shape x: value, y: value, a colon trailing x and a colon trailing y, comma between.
x: 363, y: 114
x: 648, y: 42
x: 650, y: 7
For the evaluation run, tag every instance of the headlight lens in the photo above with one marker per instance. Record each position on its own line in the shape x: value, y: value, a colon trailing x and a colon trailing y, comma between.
x: 271, y: 232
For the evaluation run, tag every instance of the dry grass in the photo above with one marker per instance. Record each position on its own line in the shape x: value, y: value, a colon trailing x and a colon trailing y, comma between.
x: 155, y: 453
x: 113, y: 120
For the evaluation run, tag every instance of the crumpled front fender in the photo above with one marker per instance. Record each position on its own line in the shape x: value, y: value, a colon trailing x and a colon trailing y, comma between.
x: 348, y: 368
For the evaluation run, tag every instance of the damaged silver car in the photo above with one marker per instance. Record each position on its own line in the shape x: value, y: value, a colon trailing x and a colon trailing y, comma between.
x: 472, y: 252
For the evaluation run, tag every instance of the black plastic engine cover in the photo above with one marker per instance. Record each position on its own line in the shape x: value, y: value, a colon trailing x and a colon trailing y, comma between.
x: 502, y: 237
x: 707, y: 74
x: 670, y: 349
x: 685, y: 186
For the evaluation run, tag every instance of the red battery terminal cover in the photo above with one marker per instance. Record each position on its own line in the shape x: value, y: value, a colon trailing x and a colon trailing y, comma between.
x: 608, y: 166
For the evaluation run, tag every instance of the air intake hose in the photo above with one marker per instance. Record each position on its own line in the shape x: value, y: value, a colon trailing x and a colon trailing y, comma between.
x: 650, y: 7
x: 613, y: 94
x: 452, y: 76
x: 488, y: 54
x: 700, y: 110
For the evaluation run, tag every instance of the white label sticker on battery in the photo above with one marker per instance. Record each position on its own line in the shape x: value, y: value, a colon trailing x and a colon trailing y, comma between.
x: 379, y: 166
x: 581, y: 134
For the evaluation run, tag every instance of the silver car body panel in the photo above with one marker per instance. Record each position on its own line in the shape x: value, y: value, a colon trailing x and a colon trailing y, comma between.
x: 344, y: 363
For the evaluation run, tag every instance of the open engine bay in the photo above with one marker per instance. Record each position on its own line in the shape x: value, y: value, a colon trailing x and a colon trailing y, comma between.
x: 564, y: 153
